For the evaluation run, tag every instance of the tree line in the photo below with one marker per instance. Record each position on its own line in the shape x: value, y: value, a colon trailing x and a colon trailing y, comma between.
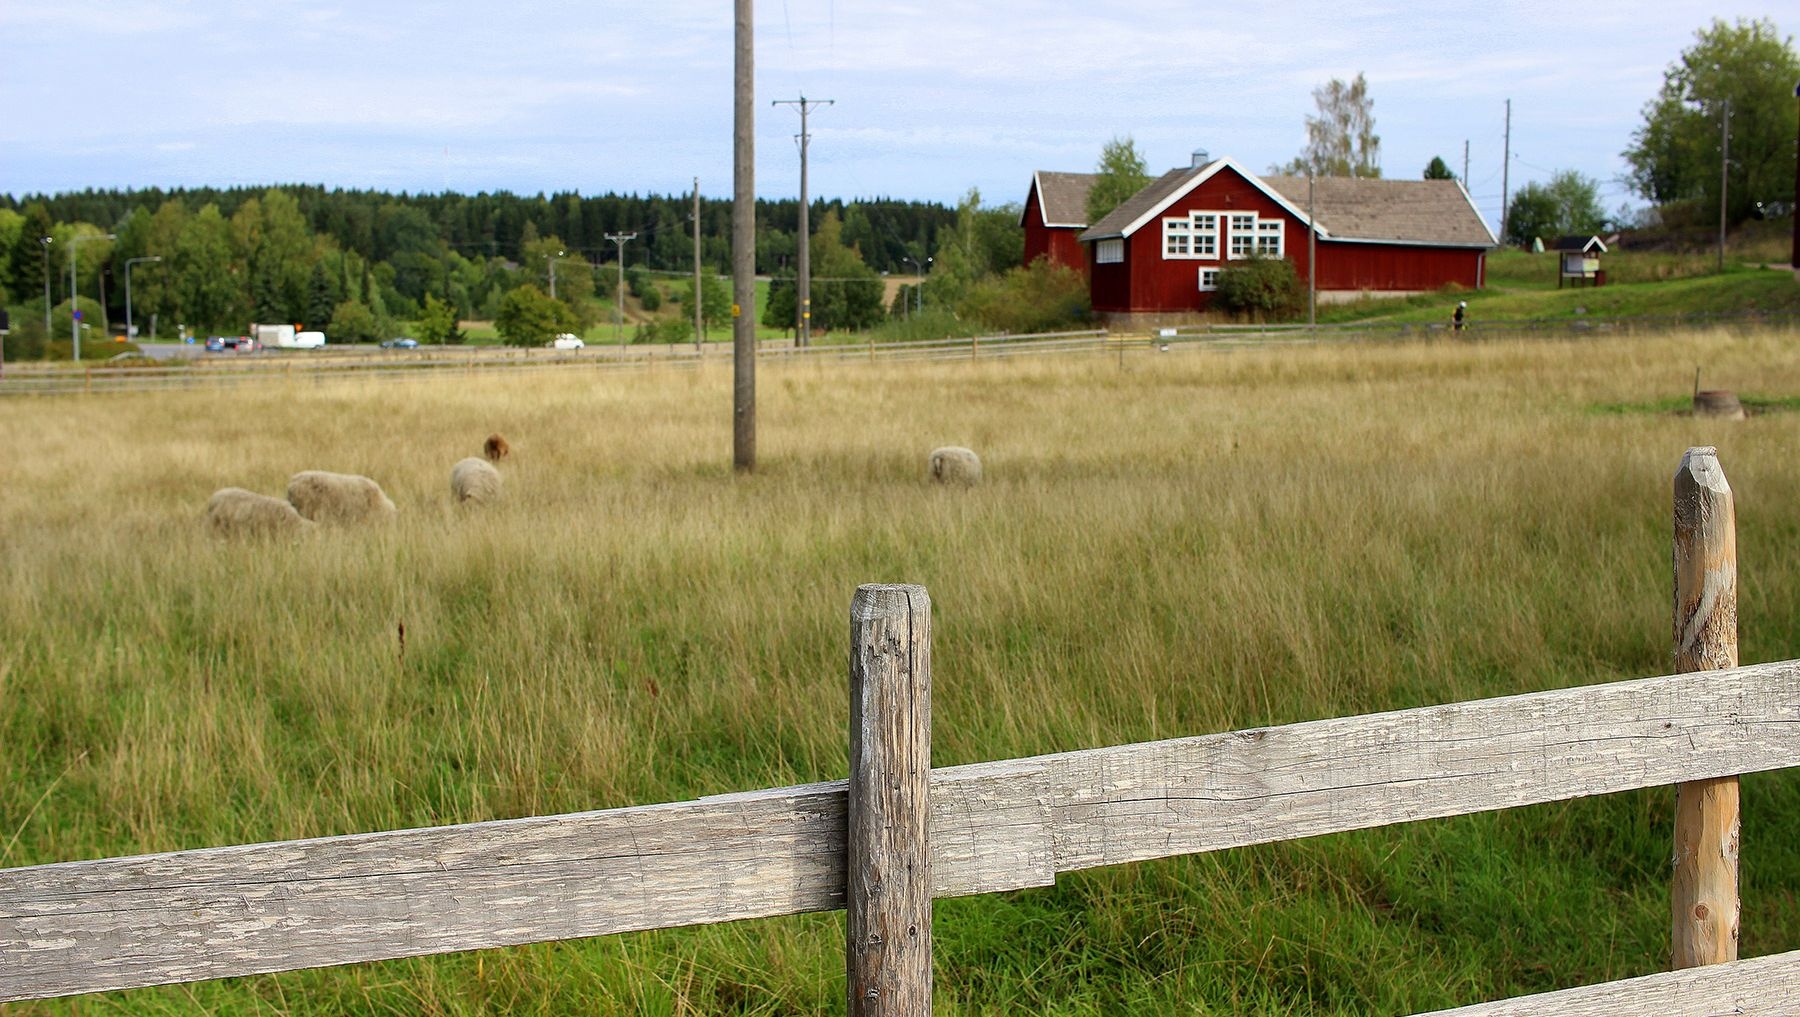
x: 357, y: 262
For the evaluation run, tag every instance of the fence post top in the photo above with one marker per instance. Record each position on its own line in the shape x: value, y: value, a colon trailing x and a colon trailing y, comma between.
x: 1700, y: 467
x: 882, y: 600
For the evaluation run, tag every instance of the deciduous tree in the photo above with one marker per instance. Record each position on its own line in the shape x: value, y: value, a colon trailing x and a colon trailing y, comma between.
x: 1568, y: 204
x: 1675, y: 155
x: 1340, y: 140
x: 1122, y: 173
x: 527, y: 316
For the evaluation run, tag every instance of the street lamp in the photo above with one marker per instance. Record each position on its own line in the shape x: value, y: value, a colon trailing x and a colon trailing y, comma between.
x: 75, y: 312
x: 130, y: 329
x: 919, y: 290
x: 550, y: 261
x: 46, y: 241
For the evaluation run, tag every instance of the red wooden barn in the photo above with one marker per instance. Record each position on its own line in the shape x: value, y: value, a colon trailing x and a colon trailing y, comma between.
x: 1159, y: 254
x: 1054, y: 216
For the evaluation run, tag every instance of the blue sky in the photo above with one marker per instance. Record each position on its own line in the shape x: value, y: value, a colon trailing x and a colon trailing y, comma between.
x: 931, y: 99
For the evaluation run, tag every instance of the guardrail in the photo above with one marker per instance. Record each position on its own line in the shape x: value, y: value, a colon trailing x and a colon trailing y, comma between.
x: 898, y: 833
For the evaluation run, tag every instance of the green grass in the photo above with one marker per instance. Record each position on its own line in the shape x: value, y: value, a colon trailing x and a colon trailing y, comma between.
x: 1191, y: 542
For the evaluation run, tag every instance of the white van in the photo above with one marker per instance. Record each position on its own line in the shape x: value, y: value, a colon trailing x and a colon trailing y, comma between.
x: 309, y: 340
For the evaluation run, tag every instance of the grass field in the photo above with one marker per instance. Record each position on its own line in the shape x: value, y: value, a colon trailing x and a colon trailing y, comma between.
x: 1189, y: 542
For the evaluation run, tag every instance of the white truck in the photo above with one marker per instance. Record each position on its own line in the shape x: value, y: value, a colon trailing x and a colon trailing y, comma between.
x: 284, y: 337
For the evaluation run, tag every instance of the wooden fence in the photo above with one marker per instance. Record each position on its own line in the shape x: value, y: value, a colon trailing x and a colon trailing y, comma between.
x: 898, y: 833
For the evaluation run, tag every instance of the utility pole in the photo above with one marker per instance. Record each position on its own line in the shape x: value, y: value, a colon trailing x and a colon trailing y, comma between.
x: 803, y: 296
x: 550, y: 268
x: 743, y: 242
x: 1724, y: 171
x: 699, y: 328
x: 1505, y: 168
x: 1465, y: 176
x: 46, y: 241
x: 1312, y: 257
x: 619, y: 239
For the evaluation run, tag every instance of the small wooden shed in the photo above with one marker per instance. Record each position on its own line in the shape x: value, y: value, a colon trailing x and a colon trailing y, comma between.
x: 1578, y: 261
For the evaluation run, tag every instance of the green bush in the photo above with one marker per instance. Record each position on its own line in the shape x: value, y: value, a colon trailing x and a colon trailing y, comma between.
x: 1040, y: 297
x: 664, y: 330
x: 527, y: 316
x: 650, y: 299
x: 1262, y: 288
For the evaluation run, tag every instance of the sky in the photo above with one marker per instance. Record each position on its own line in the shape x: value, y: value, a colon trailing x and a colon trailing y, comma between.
x: 928, y: 99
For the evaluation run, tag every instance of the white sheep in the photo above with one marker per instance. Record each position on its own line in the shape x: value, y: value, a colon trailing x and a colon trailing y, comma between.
x: 954, y: 464
x: 338, y: 497
x: 235, y: 512
x: 474, y: 480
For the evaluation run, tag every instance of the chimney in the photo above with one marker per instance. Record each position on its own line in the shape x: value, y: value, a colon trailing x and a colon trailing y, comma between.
x: 1201, y: 158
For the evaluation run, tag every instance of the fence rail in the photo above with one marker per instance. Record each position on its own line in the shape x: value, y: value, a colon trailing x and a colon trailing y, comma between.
x: 118, y: 923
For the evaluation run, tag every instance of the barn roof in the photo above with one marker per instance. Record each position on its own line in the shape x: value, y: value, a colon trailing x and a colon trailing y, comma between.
x: 1390, y: 211
x: 1434, y: 212
x: 1062, y: 197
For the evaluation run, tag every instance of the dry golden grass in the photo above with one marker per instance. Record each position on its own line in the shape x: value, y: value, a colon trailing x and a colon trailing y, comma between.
x: 1196, y: 541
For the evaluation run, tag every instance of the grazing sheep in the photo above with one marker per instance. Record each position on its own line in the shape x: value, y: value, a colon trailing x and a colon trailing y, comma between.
x: 953, y: 464
x: 338, y: 498
x: 495, y: 448
x: 474, y: 480
x: 235, y: 512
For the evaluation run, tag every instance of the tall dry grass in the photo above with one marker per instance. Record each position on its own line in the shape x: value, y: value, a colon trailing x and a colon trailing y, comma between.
x: 1190, y: 542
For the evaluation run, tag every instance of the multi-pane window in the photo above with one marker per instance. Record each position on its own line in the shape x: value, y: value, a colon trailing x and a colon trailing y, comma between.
x: 1243, y: 234
x: 1195, y: 235
x: 1268, y: 237
x: 1209, y: 279
x: 1177, y: 238
x: 1109, y: 252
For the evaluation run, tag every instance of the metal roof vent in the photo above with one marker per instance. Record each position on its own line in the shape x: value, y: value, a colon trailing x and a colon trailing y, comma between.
x: 1201, y: 158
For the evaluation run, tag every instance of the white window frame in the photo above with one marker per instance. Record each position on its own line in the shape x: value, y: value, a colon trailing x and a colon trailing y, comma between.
x: 1241, y: 240
x: 1268, y: 230
x: 1209, y: 280
x: 1109, y: 252
x: 1178, y: 237
x: 1206, y: 235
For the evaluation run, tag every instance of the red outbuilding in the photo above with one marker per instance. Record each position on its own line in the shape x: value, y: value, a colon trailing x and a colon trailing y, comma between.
x: 1158, y: 255
x: 1054, y: 216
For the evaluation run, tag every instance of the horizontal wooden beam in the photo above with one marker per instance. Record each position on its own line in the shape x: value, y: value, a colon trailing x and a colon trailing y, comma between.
x: 192, y: 915
x: 116, y: 923
x: 1763, y: 987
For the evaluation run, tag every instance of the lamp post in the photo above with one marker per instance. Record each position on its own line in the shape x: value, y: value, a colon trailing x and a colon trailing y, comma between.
x: 75, y: 312
x: 550, y: 261
x: 919, y: 290
x: 46, y: 241
x: 130, y: 329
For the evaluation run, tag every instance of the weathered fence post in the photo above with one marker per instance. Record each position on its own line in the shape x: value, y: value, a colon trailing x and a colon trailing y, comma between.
x: 888, y: 899
x: 1704, y: 904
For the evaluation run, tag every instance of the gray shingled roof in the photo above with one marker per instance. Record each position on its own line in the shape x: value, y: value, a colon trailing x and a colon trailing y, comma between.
x: 1063, y: 196
x: 1143, y: 201
x: 1410, y: 211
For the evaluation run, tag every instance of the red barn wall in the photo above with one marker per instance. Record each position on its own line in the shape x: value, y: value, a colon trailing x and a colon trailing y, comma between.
x: 1380, y: 267
x: 1057, y: 243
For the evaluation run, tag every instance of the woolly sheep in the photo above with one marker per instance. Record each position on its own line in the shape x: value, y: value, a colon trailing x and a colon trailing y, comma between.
x: 953, y: 464
x: 235, y: 512
x: 474, y: 480
x: 338, y: 497
x: 495, y: 448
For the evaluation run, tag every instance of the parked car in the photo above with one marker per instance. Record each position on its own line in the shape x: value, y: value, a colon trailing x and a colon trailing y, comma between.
x: 215, y: 344
x: 568, y: 341
x: 401, y: 343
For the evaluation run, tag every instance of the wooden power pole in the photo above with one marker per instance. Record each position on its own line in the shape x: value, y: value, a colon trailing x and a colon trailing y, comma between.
x: 803, y: 242
x: 1505, y: 169
x: 743, y: 244
x: 699, y: 329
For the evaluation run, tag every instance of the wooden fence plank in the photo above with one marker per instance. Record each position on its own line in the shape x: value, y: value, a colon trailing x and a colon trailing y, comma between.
x: 185, y: 916
x: 1763, y: 987
x: 82, y: 926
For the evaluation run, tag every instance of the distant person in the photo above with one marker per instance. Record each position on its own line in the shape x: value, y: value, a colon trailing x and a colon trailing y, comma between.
x: 1461, y: 317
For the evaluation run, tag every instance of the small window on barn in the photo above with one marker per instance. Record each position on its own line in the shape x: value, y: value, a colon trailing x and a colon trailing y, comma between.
x: 1243, y: 234
x: 1206, y: 234
x: 1109, y: 252
x: 1177, y: 234
x: 1268, y: 236
x: 1209, y: 279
